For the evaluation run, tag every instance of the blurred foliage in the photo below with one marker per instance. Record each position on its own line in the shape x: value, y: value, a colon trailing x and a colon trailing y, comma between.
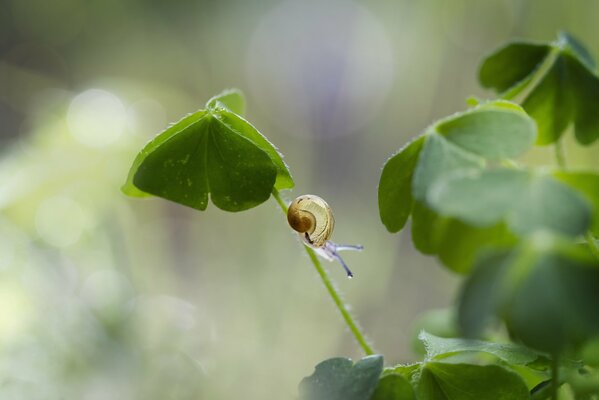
x: 106, y: 297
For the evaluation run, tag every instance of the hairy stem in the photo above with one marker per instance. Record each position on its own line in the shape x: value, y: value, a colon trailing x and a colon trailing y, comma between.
x: 333, y: 292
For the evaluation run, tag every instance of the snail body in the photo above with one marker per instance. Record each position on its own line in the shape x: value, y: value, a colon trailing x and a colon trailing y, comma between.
x: 312, y: 217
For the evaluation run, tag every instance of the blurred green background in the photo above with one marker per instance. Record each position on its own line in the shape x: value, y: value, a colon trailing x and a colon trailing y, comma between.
x: 106, y: 297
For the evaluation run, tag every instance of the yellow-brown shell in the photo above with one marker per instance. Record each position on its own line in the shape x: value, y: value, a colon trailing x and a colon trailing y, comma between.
x: 312, y: 217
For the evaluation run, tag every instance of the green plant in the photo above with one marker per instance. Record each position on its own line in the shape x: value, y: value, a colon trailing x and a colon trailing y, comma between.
x: 522, y: 236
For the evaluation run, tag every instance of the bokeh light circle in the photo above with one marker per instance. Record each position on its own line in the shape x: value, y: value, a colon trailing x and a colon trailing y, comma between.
x: 97, y: 118
x: 60, y: 221
x: 320, y: 67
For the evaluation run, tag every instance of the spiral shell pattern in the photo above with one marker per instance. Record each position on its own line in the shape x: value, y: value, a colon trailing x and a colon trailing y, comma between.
x: 312, y: 217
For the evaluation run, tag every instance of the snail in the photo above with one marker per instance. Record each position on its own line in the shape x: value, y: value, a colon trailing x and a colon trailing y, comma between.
x: 313, y: 219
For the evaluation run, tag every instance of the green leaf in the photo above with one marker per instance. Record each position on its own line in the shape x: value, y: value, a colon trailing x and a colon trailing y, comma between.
x: 439, y: 322
x: 395, y: 187
x: 231, y: 99
x: 545, y: 290
x: 561, y: 82
x: 437, y: 158
x: 341, y: 379
x: 393, y: 387
x: 511, y: 64
x: 460, y: 196
x: 585, y: 94
x: 129, y: 188
x: 455, y: 242
x: 205, y: 158
x: 526, y: 201
x: 587, y: 184
x: 490, y: 131
x: 481, y: 295
x: 213, y: 151
x: 577, y: 49
x: 438, y: 348
x: 461, y: 243
x: 408, y: 371
x: 441, y: 381
x: 551, y: 103
x: 464, y: 141
x: 495, y: 130
x: 243, y: 128
x: 427, y: 228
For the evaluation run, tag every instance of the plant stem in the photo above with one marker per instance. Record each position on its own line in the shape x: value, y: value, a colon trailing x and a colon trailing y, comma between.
x: 333, y: 292
x: 554, y: 376
x: 560, y: 155
x: 532, y: 81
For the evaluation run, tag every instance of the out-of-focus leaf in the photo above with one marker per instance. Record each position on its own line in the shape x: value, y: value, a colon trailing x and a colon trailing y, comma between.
x: 545, y: 290
x: 437, y: 158
x: 566, y: 85
x: 441, y: 381
x: 526, y: 201
x: 494, y: 131
x: 393, y: 387
x: 464, y: 141
x: 511, y: 64
x: 462, y: 243
x: 341, y: 379
x: 481, y: 294
x: 454, y: 242
x: 551, y: 103
x: 585, y: 95
x: 578, y: 50
x: 587, y: 184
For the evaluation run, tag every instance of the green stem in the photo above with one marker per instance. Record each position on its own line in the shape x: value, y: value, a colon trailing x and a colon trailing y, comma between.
x: 333, y: 292
x: 554, y: 376
x: 560, y: 155
x: 532, y: 81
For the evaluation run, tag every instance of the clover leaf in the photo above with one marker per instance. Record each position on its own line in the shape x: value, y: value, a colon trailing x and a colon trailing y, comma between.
x: 215, y: 152
x: 558, y: 81
x: 443, y: 381
x: 341, y: 379
x: 393, y: 387
x: 587, y: 184
x: 525, y: 200
x: 489, y: 132
x: 544, y: 289
x: 438, y: 348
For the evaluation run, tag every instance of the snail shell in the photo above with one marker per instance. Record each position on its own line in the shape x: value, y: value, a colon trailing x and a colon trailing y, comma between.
x: 312, y: 217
